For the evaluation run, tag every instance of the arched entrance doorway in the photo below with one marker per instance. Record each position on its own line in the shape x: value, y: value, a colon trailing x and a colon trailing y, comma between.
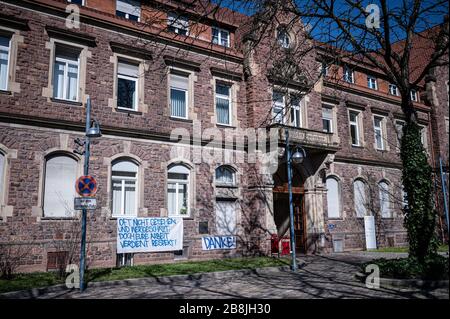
x: 281, y: 205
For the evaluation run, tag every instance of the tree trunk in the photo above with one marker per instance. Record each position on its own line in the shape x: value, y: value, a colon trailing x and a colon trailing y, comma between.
x: 420, y: 216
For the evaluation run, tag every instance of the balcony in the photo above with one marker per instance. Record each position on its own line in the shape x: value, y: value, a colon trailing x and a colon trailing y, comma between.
x: 308, y: 138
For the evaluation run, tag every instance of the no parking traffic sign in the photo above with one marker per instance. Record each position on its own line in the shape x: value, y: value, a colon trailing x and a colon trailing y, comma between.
x: 86, y: 186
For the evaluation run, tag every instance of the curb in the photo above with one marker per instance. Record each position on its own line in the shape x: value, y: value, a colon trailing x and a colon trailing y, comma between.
x: 227, y: 274
x: 407, y: 283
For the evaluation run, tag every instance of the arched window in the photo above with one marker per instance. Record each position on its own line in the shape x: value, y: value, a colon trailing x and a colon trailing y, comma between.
x: 360, y: 196
x: 334, y: 205
x: 384, y: 199
x: 2, y: 175
x: 225, y: 175
x: 178, y: 190
x: 59, y: 186
x: 283, y: 37
x: 124, y: 188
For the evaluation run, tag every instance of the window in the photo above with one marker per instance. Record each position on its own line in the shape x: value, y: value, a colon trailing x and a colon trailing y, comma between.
x: 399, y: 129
x: 221, y: 37
x: 393, y: 89
x: 278, y: 107
x: 354, y: 127
x: 59, y: 190
x: 66, y: 73
x: 225, y: 176
x: 424, y: 137
x: 359, y: 193
x: 2, y: 175
x: 4, y: 62
x: 372, y: 83
x: 225, y: 217
x: 128, y: 9
x: 78, y: 2
x: 283, y: 38
x: 348, y: 75
x: 384, y: 199
x: 327, y: 119
x: 124, y: 188
x: 127, y: 85
x: 179, y: 87
x: 178, y: 191
x: 324, y: 69
x: 223, y: 104
x: 178, y: 24
x: 123, y: 260
x: 296, y: 114
x: 413, y: 95
x: 378, y: 132
x: 404, y: 199
x: 334, y: 210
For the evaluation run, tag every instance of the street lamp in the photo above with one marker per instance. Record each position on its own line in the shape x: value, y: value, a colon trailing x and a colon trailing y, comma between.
x: 297, y: 158
x: 90, y: 132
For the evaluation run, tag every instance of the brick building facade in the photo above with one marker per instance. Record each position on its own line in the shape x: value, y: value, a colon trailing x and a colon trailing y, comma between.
x: 149, y: 83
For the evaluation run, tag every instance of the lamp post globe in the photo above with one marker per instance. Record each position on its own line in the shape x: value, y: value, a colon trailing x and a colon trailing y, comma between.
x: 94, y: 130
x: 298, y: 156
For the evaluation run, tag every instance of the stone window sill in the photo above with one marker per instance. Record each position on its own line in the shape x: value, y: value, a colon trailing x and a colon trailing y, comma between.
x: 58, y: 218
x: 225, y: 126
x: 5, y: 92
x: 180, y: 119
x: 120, y: 110
x: 75, y: 103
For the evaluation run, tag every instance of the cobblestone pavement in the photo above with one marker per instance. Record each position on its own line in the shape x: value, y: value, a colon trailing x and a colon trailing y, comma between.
x: 328, y: 276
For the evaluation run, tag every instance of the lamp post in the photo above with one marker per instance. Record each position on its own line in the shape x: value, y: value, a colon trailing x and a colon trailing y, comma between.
x: 296, y: 158
x: 91, y: 132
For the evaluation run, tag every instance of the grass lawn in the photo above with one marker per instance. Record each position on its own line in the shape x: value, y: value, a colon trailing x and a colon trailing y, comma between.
x: 442, y: 248
x: 43, y: 279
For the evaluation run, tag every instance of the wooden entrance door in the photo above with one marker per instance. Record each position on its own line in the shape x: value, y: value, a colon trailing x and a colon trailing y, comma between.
x: 299, y: 222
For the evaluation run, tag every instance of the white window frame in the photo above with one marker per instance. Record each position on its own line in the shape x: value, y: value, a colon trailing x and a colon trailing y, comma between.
x: 178, y: 182
x: 65, y: 76
x: 380, y: 130
x: 8, y: 63
x: 324, y: 69
x: 364, y: 197
x: 338, y: 198
x: 356, y: 124
x: 130, y: 78
x: 372, y: 82
x: 414, y: 96
x: 127, y: 14
x: 122, y: 191
x: 178, y: 23
x: 381, y: 193
x: 349, y: 75
x: 281, y: 105
x: 219, y: 37
x: 325, y: 106
x: 226, y: 232
x: 233, y: 174
x: 393, y: 89
x: 186, y: 96
x: 296, y: 122
x: 224, y: 97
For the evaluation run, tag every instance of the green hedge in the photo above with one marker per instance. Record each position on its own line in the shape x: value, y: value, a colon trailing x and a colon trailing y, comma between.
x: 434, y: 268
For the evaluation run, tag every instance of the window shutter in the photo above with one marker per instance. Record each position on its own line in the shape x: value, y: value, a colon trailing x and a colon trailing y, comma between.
x: 128, y: 69
x: 179, y: 81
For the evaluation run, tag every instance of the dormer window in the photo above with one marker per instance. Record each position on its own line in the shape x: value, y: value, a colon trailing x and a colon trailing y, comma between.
x: 372, y: 83
x: 221, y: 37
x: 414, y: 95
x: 128, y: 9
x: 348, y: 75
x: 283, y: 38
x: 178, y: 24
x: 78, y: 2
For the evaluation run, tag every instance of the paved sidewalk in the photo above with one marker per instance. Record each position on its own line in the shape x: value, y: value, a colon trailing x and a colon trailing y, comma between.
x: 328, y: 276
